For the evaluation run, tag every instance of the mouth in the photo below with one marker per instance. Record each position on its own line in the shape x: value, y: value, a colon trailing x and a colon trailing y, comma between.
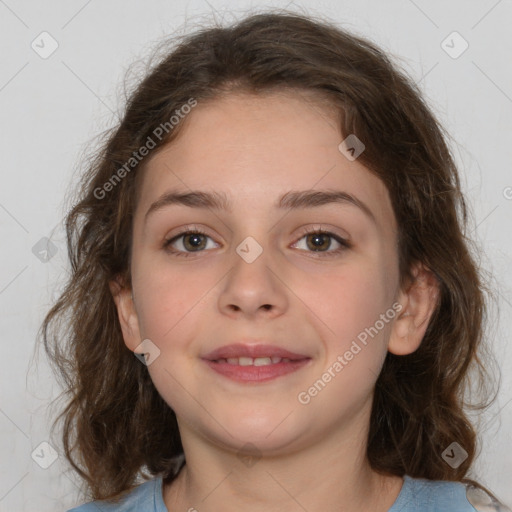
x: 254, y: 363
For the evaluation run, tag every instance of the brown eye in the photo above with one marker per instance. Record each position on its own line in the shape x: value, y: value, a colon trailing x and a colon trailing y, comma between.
x: 322, y: 242
x: 318, y: 241
x: 189, y: 242
x: 194, y: 241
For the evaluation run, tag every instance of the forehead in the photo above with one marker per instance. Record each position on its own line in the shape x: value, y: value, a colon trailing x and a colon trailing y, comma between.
x: 256, y: 148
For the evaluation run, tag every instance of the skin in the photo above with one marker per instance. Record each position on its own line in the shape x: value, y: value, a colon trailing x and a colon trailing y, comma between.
x: 254, y: 149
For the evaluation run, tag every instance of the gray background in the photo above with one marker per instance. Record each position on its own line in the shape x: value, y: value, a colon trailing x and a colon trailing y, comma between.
x: 52, y: 106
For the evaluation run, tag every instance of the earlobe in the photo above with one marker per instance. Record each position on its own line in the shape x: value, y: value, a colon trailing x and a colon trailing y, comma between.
x: 419, y: 301
x: 127, y: 314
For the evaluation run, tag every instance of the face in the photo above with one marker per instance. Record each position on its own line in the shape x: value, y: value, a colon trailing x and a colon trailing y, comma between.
x: 266, y: 265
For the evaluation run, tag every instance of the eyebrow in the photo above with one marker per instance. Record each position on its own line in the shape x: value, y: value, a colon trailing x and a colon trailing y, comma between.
x: 289, y: 201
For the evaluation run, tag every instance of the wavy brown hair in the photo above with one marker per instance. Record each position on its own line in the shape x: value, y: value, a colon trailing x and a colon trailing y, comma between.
x: 116, y: 426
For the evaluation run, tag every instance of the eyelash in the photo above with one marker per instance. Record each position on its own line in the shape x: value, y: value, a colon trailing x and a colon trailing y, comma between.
x: 319, y: 254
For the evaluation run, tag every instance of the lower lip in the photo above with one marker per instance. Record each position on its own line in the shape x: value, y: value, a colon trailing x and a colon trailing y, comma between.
x: 256, y: 373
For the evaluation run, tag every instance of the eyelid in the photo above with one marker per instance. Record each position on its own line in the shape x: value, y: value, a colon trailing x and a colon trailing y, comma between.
x: 188, y: 229
x: 324, y: 228
x: 302, y: 230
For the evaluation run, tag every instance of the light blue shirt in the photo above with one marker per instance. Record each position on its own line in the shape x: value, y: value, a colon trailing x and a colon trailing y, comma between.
x: 416, y: 495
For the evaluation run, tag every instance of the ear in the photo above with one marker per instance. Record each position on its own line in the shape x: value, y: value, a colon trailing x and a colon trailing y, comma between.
x: 126, y: 312
x: 418, y: 303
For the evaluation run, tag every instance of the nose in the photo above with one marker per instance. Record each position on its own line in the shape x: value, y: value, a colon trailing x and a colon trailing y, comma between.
x: 252, y: 290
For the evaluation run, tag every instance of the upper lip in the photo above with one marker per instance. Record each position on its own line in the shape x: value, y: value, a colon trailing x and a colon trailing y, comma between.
x: 254, y: 351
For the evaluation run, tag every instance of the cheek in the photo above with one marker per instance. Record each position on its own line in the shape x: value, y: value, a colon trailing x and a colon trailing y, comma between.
x: 346, y: 301
x: 170, y: 305
x: 168, y: 297
x: 349, y: 308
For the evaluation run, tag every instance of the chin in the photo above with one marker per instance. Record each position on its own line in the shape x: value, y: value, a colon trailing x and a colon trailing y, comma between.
x: 264, y: 430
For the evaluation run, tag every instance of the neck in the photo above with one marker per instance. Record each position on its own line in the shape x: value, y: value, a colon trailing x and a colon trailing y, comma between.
x: 332, y: 475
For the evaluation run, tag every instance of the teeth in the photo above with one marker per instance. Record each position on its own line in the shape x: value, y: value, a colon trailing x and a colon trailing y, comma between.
x: 262, y: 361
x: 257, y: 361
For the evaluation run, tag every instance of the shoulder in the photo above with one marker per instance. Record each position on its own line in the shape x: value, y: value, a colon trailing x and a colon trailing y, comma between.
x: 146, y: 496
x: 420, y: 495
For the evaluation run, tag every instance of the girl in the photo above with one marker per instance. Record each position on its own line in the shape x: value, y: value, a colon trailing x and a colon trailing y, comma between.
x: 276, y: 231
